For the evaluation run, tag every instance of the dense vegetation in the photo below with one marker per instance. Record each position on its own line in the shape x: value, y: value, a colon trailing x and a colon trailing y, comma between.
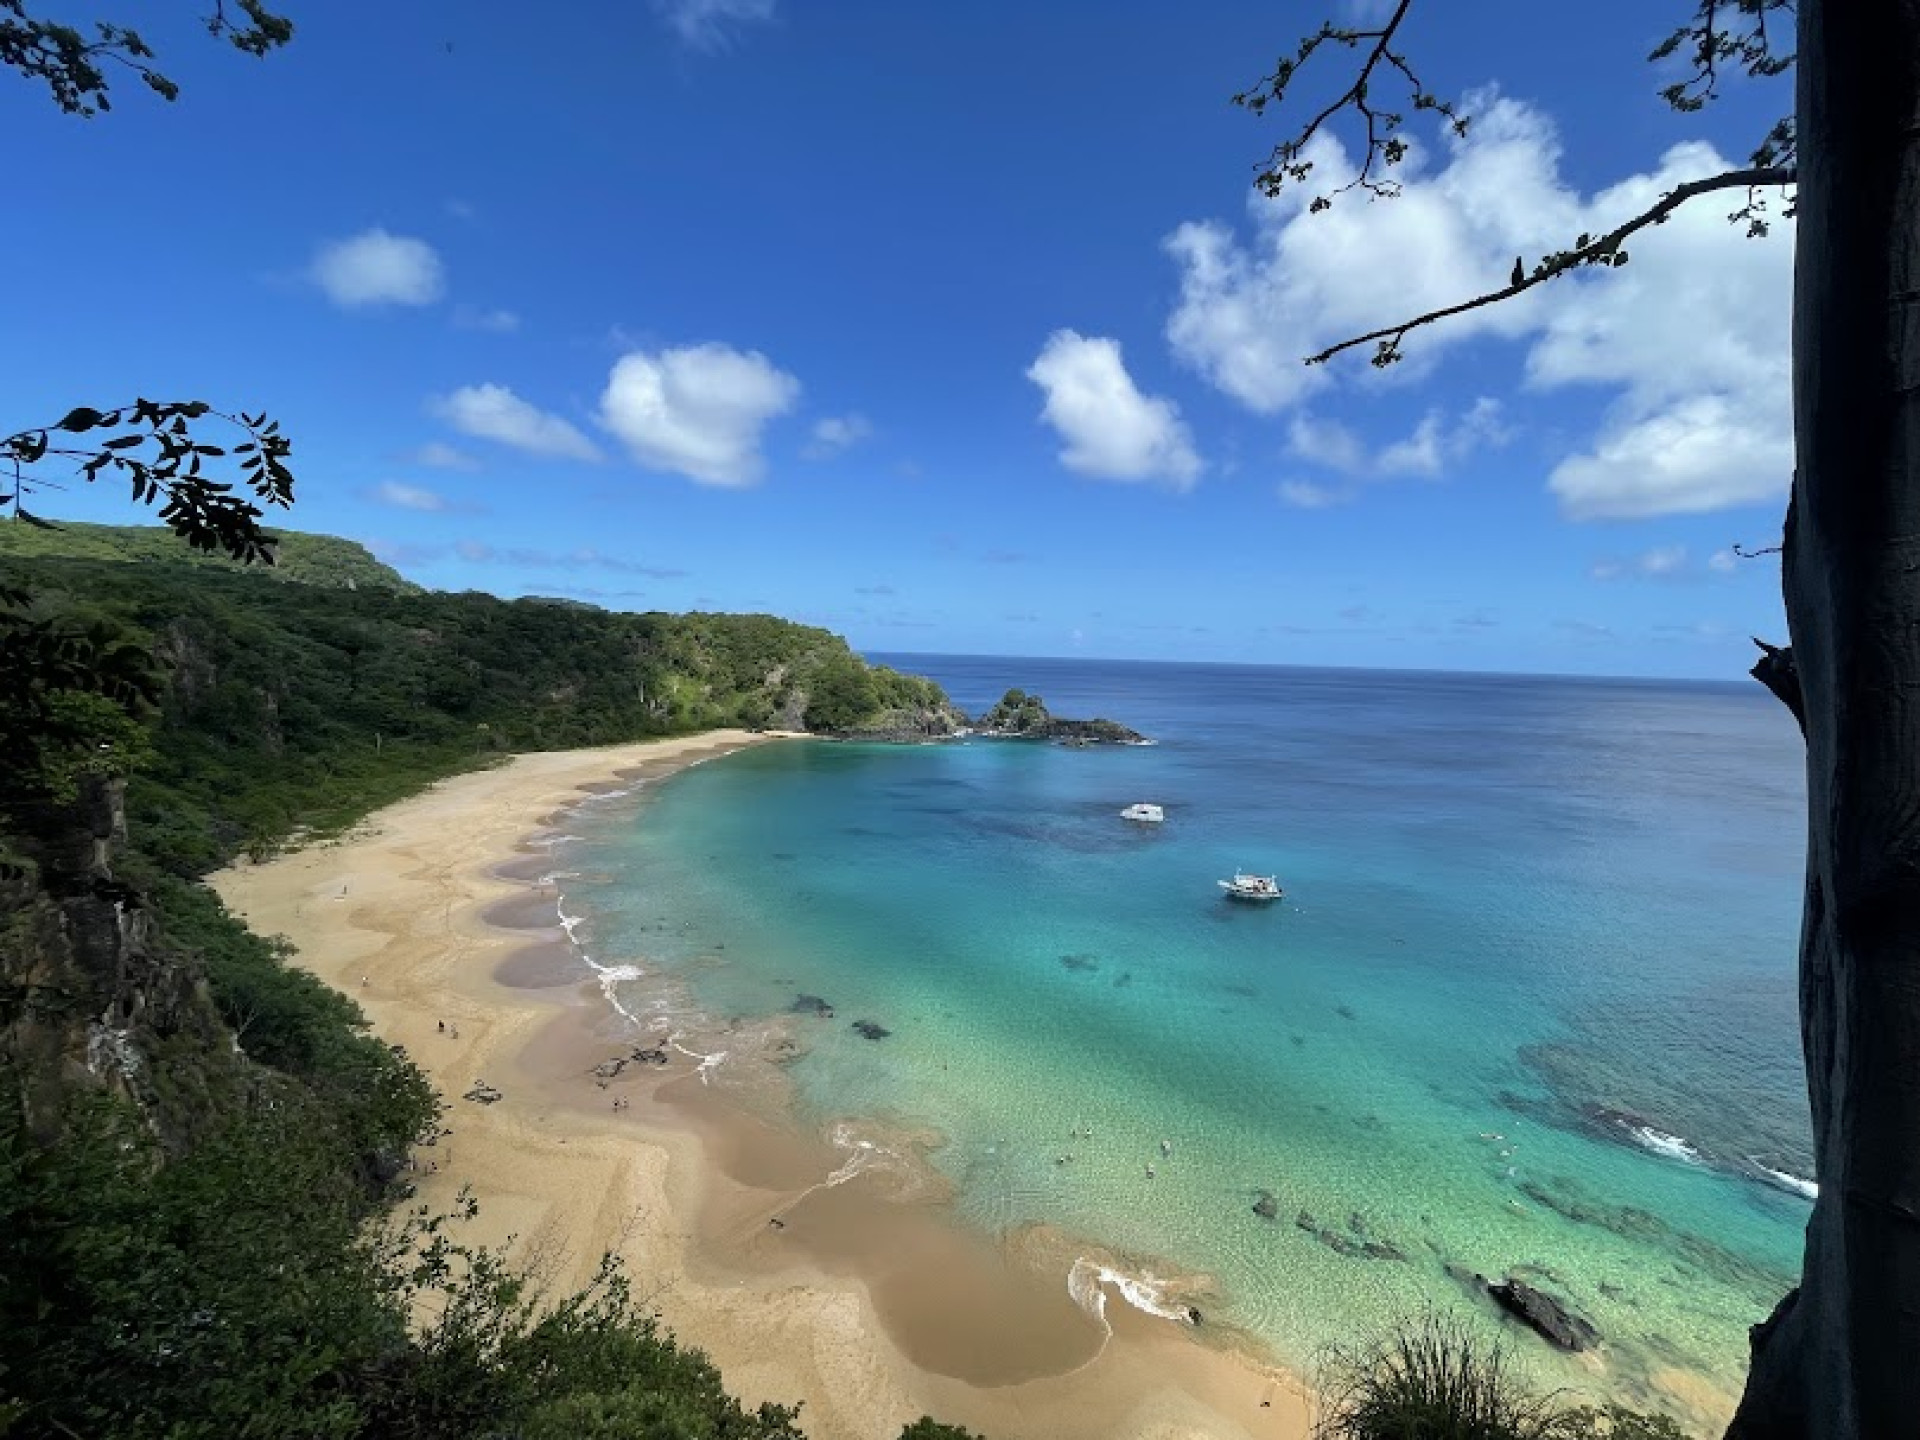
x: 202, y: 1238
x: 290, y: 706
x: 255, y: 1286
x: 301, y: 558
x: 1016, y: 713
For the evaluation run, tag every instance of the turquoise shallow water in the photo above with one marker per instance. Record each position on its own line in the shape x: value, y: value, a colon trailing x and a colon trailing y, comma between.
x: 1560, y: 913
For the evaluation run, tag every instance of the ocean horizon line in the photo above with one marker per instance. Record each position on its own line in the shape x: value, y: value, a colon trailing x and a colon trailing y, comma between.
x: 1743, y: 684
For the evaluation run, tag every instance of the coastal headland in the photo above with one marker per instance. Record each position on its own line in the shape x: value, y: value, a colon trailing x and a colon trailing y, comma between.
x: 766, y: 1246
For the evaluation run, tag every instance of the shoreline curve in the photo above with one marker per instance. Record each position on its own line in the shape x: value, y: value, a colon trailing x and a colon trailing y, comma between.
x: 870, y: 1306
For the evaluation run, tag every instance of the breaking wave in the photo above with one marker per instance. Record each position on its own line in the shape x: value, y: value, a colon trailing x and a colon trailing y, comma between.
x: 1661, y: 1143
x: 1088, y: 1281
x: 1786, y: 1180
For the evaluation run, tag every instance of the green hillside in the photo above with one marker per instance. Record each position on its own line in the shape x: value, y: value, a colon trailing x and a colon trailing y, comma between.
x: 287, y: 707
x: 307, y: 559
x: 203, y: 1150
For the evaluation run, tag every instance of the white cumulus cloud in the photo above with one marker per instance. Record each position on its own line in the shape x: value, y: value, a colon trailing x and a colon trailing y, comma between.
x: 1689, y: 340
x: 493, y: 412
x: 1326, y: 443
x: 697, y: 411
x: 1111, y: 430
x: 1436, y: 445
x: 378, y: 268
x: 711, y: 24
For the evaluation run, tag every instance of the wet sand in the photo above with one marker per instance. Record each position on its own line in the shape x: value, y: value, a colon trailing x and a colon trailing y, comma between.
x: 804, y: 1278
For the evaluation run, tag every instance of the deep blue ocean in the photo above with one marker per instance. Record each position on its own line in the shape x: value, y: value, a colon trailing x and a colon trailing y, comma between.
x: 1528, y: 1006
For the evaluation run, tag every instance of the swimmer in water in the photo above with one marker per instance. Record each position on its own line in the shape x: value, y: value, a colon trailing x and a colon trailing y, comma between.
x: 1149, y: 1172
x: 1166, y: 1147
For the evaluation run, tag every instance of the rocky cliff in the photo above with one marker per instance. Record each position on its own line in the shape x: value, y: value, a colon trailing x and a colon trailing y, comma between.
x: 90, y: 995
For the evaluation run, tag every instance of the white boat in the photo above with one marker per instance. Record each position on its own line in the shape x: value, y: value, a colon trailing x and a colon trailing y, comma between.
x: 1251, y: 887
x: 1145, y: 813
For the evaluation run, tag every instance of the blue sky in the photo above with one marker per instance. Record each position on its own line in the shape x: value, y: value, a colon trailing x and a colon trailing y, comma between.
x: 954, y: 328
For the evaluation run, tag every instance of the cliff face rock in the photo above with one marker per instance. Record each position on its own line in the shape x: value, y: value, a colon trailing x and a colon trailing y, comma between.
x: 88, y: 995
x: 910, y: 724
x: 1021, y: 716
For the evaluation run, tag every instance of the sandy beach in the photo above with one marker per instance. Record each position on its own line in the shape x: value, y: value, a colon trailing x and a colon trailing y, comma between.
x: 860, y: 1299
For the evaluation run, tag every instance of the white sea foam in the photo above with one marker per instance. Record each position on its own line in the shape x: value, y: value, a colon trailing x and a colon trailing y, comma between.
x: 610, y: 977
x: 1087, y: 1283
x: 862, y: 1155
x: 610, y: 974
x: 708, y: 1063
x: 614, y: 794
x: 1786, y: 1180
x: 1661, y: 1143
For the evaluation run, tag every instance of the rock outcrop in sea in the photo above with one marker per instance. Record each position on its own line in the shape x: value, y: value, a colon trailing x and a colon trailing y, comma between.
x: 1020, y: 716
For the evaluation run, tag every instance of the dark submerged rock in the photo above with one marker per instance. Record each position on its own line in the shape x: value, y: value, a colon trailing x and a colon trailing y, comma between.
x: 1266, y: 1205
x: 870, y: 1031
x: 1545, y: 1315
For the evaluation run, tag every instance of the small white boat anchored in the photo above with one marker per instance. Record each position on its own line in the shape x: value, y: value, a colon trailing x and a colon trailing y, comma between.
x: 1145, y: 813
x: 1251, y: 887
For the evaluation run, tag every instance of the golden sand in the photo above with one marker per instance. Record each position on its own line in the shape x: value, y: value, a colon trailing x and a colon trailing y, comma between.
x: 864, y: 1301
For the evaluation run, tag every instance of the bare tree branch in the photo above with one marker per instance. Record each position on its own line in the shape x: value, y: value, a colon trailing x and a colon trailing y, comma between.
x: 1721, y: 35
x: 1385, y: 147
x: 1605, y: 250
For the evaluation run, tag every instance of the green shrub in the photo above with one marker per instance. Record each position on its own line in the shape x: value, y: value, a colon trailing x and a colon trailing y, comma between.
x: 1432, y: 1379
x: 252, y: 1287
x: 927, y: 1428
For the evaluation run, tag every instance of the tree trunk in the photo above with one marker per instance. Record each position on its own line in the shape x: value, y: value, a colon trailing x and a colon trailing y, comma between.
x: 1841, y: 1357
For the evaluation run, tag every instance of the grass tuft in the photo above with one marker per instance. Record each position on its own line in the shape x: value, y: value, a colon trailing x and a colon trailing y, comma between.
x: 1432, y: 1379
